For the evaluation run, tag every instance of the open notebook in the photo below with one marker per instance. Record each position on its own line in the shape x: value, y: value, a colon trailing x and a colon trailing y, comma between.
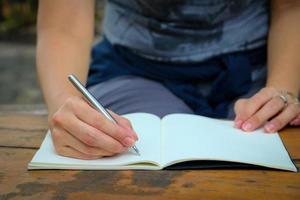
x: 175, y: 139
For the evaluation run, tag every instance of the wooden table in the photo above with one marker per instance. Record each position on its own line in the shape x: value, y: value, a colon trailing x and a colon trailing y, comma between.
x: 22, y: 130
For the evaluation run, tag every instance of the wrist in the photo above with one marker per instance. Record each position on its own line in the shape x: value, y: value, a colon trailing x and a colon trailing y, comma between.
x: 58, y: 101
x: 288, y: 87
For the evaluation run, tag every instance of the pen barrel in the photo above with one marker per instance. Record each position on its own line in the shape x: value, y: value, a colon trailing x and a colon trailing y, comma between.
x: 93, y: 102
x: 90, y: 98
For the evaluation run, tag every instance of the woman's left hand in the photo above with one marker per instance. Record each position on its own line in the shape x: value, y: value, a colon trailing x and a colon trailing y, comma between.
x: 269, y: 108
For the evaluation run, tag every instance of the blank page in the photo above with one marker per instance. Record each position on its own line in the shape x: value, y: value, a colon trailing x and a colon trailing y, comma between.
x: 192, y: 137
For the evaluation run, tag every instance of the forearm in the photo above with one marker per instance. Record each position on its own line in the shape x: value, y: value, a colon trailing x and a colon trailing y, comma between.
x: 57, y: 57
x: 63, y: 48
x: 284, y: 47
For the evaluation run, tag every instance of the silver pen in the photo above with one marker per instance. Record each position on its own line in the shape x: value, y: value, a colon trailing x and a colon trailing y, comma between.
x: 92, y: 100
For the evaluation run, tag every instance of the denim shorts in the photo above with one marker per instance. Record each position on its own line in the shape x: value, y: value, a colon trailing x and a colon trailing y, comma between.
x: 207, y: 88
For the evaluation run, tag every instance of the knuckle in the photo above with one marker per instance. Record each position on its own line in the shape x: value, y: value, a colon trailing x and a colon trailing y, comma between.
x: 101, y: 120
x: 56, y: 135
x: 279, y: 123
x: 262, y: 91
x: 59, y: 149
x: 268, y: 90
x: 126, y: 122
x: 116, y: 148
x: 265, y: 89
x: 94, y: 121
x: 239, y: 104
x: 70, y: 102
x: 258, y: 99
x: 120, y: 132
x: 115, y: 132
x: 272, y: 90
x: 256, y: 120
x: 89, y: 139
x: 97, y: 121
x: 274, y: 105
x: 294, y: 109
x: 247, y: 111
x: 57, y: 118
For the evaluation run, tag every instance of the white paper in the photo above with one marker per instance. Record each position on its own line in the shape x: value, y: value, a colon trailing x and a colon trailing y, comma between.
x: 192, y: 137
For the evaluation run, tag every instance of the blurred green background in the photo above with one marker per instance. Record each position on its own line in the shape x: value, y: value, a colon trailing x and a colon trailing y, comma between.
x: 18, y: 81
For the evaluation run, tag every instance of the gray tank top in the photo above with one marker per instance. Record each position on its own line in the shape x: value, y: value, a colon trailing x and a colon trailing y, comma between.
x: 186, y: 30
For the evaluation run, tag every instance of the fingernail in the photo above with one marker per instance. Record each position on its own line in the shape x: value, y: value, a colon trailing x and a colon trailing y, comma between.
x: 295, y: 122
x: 131, y: 133
x: 134, y: 134
x: 247, y: 126
x: 270, y: 127
x: 238, y: 123
x: 128, y: 141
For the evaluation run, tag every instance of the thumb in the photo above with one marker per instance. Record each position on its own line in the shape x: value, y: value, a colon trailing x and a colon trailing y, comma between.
x: 125, y: 123
x: 240, y: 112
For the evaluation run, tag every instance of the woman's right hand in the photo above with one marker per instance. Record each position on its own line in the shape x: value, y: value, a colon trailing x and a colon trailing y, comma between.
x: 79, y: 131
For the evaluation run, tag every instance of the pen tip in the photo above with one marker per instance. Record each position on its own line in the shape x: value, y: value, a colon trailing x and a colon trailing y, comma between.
x: 136, y: 150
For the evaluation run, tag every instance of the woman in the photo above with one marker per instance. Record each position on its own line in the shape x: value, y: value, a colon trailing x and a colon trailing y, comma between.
x: 201, y: 57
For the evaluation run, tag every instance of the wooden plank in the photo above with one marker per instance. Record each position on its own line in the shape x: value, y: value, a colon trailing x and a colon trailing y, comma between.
x: 22, y: 130
x: 18, y: 183
x: 291, y: 139
x: 33, y: 109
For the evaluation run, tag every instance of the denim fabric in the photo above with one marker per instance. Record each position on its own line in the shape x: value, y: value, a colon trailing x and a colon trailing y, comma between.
x: 227, y: 76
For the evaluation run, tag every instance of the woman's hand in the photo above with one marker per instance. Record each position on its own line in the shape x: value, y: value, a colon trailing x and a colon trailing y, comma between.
x: 79, y: 131
x: 268, y: 108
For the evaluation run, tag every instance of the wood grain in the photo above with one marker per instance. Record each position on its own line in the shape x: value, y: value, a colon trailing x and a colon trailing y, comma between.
x: 21, y: 133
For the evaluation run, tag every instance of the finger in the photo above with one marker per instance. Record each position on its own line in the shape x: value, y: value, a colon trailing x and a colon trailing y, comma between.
x: 122, y: 121
x: 73, y: 142
x: 295, y: 121
x: 291, y: 111
x: 88, y: 134
x: 239, y: 107
x: 253, y: 104
x: 58, y: 137
x: 92, y: 117
x: 96, y: 138
x: 269, y: 110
